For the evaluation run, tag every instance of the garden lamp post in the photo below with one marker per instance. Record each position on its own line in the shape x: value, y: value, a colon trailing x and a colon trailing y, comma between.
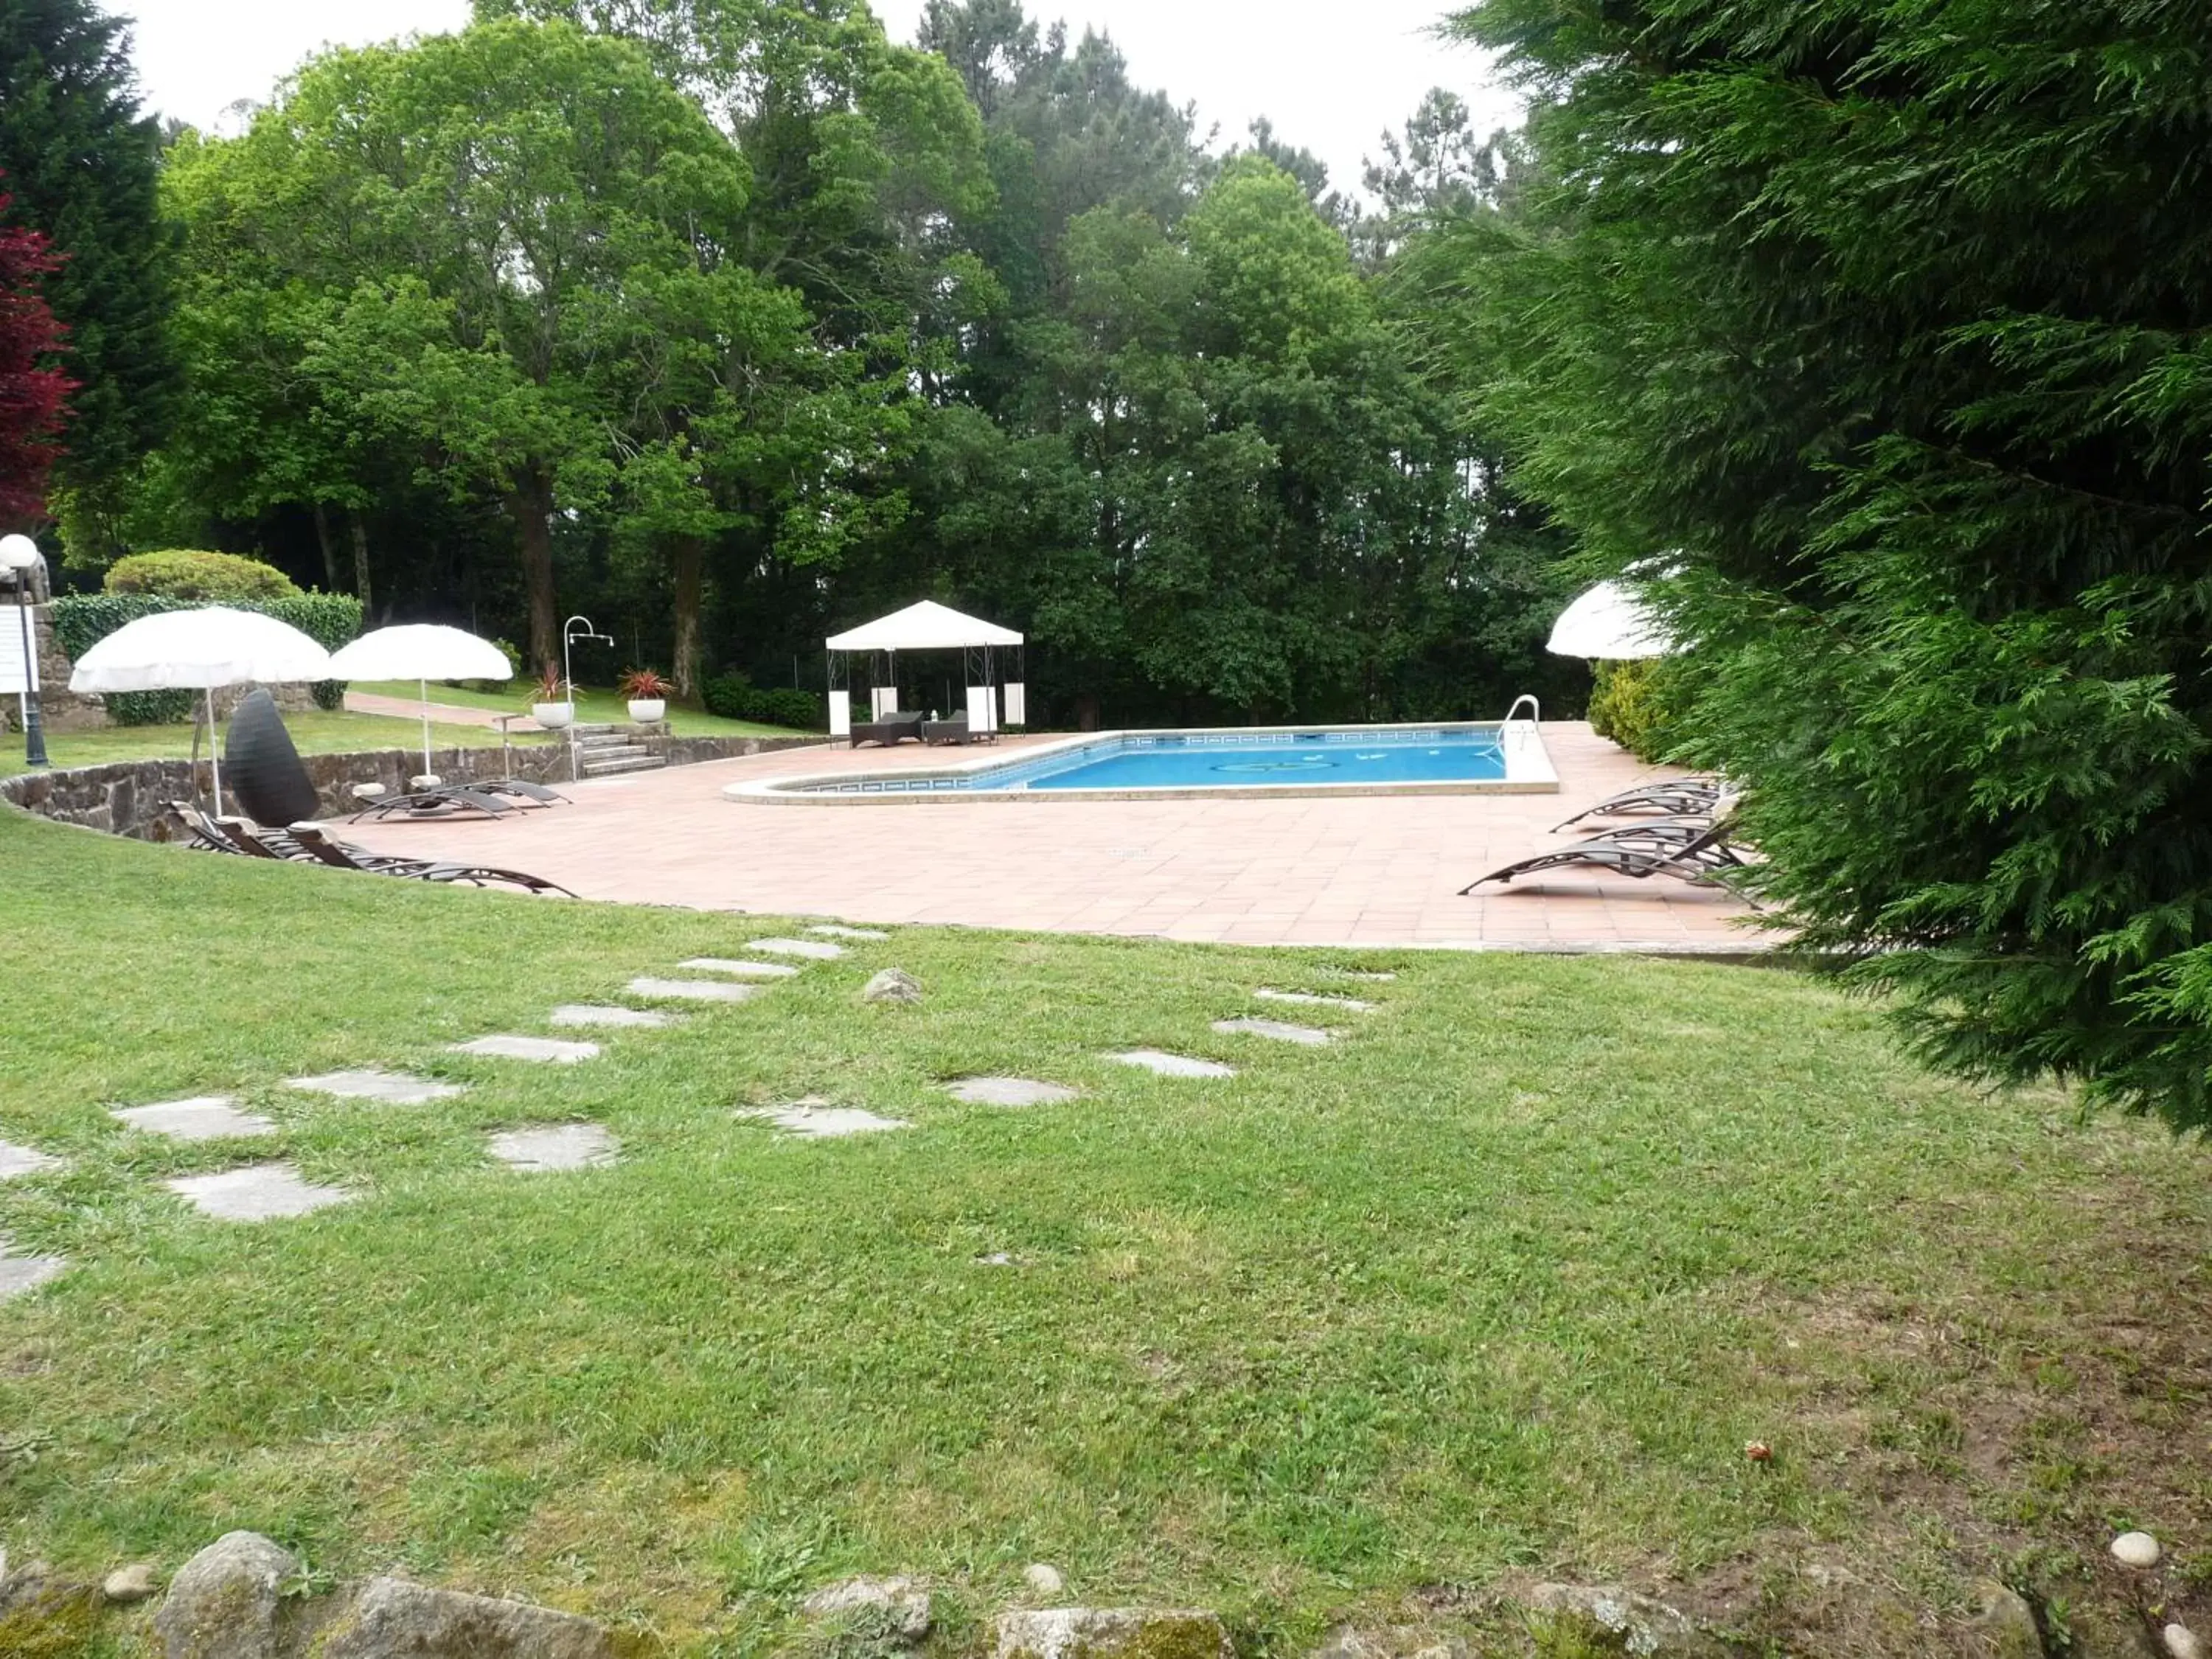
x: 20, y: 555
x: 570, y: 633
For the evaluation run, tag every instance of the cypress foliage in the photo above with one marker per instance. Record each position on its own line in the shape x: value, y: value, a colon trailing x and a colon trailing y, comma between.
x: 1895, y: 318
x: 79, y: 161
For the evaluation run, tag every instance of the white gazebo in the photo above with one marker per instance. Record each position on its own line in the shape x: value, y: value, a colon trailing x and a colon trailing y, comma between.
x: 929, y: 626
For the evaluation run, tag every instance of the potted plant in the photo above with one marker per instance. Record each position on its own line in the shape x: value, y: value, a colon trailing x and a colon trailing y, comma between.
x: 553, y: 703
x: 647, y: 693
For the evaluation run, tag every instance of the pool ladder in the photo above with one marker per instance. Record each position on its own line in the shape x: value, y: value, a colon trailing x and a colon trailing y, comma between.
x: 1536, y: 717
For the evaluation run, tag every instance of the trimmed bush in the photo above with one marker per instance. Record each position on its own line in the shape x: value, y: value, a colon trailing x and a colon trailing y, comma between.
x: 82, y: 620
x: 735, y: 697
x: 183, y: 573
x: 1640, y: 705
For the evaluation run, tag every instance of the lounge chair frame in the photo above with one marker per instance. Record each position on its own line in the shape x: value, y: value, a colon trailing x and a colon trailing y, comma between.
x: 1698, y: 851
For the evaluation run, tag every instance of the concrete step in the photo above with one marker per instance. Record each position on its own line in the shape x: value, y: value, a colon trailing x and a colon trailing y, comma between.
x: 641, y: 761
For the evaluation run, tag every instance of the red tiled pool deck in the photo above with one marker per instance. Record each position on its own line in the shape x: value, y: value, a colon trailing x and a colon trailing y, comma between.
x: 1371, y: 871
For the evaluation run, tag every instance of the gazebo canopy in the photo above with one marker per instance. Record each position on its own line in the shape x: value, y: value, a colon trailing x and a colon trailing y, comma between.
x: 929, y: 626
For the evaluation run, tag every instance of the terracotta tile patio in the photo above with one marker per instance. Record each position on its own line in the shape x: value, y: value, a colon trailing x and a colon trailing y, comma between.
x: 1378, y: 871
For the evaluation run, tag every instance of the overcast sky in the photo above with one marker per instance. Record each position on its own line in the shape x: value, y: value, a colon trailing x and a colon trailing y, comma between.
x: 1331, y: 76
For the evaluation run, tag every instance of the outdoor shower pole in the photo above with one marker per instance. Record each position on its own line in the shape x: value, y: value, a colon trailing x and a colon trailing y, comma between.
x: 568, y: 635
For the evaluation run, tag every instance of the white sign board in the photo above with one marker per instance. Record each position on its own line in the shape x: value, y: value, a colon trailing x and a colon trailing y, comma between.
x: 11, y: 654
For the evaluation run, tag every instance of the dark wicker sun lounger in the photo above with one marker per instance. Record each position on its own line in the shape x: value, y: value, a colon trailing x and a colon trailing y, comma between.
x: 954, y: 731
x: 1677, y: 798
x: 319, y: 846
x: 453, y: 800
x: 892, y: 729
x: 1695, y: 850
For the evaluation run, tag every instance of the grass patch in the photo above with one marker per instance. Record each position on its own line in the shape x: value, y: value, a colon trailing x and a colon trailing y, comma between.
x: 315, y: 732
x: 1502, y: 1283
x: 594, y: 706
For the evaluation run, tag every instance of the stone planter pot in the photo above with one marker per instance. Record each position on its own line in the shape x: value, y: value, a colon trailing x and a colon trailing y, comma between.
x: 646, y: 710
x: 553, y: 715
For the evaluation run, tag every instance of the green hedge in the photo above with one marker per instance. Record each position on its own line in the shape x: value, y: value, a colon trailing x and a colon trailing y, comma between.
x: 82, y: 620
x: 185, y: 572
x: 735, y: 697
x: 1640, y: 705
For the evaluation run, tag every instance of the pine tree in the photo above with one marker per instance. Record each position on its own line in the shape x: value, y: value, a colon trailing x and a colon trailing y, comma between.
x: 1884, y: 327
x: 81, y: 162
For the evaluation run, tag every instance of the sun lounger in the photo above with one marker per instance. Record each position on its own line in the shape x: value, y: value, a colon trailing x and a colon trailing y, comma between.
x: 451, y: 800
x: 892, y: 729
x: 317, y: 845
x: 1677, y: 798
x: 1696, y: 850
x: 954, y: 731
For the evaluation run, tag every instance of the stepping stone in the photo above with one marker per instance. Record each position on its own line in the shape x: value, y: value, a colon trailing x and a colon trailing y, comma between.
x: 392, y: 1088
x: 19, y: 1273
x: 545, y: 1051
x: 691, y: 990
x: 740, y: 969
x: 1306, y: 1035
x: 259, y: 1192
x: 26, y: 1160
x: 813, y: 949
x: 1009, y: 1091
x: 1152, y: 1059
x: 1350, y: 1004
x: 573, y: 1014
x: 559, y: 1146
x: 1364, y: 978
x: 838, y: 930
x: 817, y: 1119
x: 204, y: 1117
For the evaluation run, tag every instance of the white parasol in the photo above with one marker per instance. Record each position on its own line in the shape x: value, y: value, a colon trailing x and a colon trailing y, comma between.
x: 420, y: 652
x: 1609, y: 624
x: 197, y: 651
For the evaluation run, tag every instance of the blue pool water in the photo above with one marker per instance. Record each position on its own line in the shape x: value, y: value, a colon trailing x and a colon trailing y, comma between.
x: 1226, y: 760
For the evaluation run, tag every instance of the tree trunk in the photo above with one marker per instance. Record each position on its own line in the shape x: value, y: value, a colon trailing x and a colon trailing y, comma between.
x: 329, y: 548
x: 689, y: 557
x: 360, y: 528
x: 529, y: 505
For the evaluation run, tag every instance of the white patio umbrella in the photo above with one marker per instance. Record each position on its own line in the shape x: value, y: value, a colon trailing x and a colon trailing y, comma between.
x: 197, y: 651
x: 420, y: 652
x: 1609, y: 624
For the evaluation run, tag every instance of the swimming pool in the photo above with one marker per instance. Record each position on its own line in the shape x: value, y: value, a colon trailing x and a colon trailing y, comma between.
x: 1472, y: 758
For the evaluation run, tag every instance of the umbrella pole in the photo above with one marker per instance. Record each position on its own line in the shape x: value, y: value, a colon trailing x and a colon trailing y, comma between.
x: 423, y: 686
x: 215, y: 749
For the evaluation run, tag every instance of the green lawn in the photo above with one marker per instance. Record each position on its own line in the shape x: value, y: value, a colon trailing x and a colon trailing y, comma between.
x: 1501, y: 1283
x: 593, y: 705
x: 316, y: 732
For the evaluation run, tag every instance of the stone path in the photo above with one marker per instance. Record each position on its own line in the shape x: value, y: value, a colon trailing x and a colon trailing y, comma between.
x: 258, y: 1192
x: 813, y: 949
x: 26, y: 1160
x: 19, y: 1273
x: 1279, y: 1031
x: 817, y: 1119
x: 588, y: 1016
x: 691, y: 990
x: 204, y: 1117
x: 269, y: 1191
x: 1306, y: 999
x: 557, y: 1146
x: 390, y: 1088
x: 1009, y: 1091
x: 543, y: 1051
x: 1167, y: 1065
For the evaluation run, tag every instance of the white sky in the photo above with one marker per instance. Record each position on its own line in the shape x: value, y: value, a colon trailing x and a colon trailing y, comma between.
x: 1331, y: 76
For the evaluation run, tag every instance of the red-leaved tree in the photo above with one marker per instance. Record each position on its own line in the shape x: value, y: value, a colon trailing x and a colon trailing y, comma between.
x: 33, y: 397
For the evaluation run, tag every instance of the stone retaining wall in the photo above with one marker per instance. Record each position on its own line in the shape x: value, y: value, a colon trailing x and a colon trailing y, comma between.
x: 131, y: 798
